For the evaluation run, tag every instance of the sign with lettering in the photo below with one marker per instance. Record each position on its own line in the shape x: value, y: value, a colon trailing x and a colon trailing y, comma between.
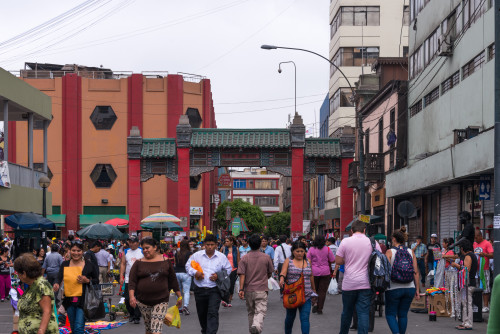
x: 364, y: 218
x: 196, y: 211
x: 225, y: 181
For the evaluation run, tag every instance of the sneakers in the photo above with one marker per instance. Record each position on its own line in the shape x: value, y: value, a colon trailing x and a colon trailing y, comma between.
x: 130, y: 319
x: 315, y: 309
x: 4, y: 300
x: 224, y: 303
x: 320, y: 312
x: 185, y: 310
x: 486, y: 309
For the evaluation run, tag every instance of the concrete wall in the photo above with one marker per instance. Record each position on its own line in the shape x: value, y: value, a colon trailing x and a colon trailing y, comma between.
x: 22, y: 199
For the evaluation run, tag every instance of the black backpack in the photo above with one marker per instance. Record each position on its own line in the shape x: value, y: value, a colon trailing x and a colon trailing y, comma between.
x: 379, y: 270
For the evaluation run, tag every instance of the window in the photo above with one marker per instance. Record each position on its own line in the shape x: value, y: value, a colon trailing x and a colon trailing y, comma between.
x: 355, y: 16
x: 381, y: 135
x: 355, y: 56
x: 406, y: 15
x: 38, y: 166
x: 451, y: 82
x: 405, y: 51
x: 431, y: 97
x: 56, y: 209
x: 491, y: 52
x: 103, y: 117
x: 417, y: 62
x: 416, y: 108
x: 103, y: 176
x: 341, y: 98
x: 392, y: 125
x: 265, y: 184
x: 265, y: 201
x: 473, y: 65
x: 416, y: 7
x: 473, y: 10
x: 239, y: 184
x: 194, y: 117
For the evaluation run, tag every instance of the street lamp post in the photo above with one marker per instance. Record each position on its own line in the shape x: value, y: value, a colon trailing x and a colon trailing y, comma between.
x: 295, y: 67
x: 44, y: 182
x: 361, y: 184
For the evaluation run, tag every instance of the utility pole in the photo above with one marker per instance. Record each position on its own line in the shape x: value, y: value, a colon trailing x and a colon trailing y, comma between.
x: 496, y: 217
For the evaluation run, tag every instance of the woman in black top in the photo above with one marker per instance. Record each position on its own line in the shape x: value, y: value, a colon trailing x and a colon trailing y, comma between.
x: 468, y: 261
x: 184, y: 280
x: 79, y: 273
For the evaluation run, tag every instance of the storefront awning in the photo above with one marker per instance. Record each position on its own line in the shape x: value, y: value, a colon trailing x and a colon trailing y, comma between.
x: 86, y: 220
x: 59, y: 220
x: 331, y: 214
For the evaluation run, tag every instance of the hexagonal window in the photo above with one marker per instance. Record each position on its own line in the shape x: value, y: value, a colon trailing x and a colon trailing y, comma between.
x: 194, y: 181
x: 103, y: 117
x: 38, y: 166
x: 103, y: 175
x: 194, y: 117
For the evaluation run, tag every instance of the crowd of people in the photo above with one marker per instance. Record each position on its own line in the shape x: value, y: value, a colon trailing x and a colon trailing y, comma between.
x: 149, y: 272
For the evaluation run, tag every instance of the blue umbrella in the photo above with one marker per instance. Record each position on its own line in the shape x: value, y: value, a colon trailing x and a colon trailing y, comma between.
x: 29, y: 221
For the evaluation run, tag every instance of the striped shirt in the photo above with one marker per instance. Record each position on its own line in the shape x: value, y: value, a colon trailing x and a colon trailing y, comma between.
x: 293, y: 274
x: 209, y: 265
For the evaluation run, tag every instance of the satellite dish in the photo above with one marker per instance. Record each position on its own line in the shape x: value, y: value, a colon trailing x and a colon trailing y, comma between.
x: 406, y: 209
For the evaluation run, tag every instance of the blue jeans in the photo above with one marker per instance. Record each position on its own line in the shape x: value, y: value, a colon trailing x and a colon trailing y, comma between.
x: 361, y: 300
x: 304, y: 312
x: 76, y: 319
x: 421, y: 268
x: 397, y: 304
x: 184, y: 281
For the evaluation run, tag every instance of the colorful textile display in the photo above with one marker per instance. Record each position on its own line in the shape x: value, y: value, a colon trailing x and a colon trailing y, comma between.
x: 434, y: 291
x: 88, y: 330
x: 103, y: 325
x: 482, y: 278
x: 463, y: 278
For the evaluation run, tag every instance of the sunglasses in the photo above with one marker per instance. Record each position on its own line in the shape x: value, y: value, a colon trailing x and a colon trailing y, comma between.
x: 76, y: 242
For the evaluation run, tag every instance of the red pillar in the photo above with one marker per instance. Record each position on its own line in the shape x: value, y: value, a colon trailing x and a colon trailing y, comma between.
x: 346, y: 197
x: 206, y: 177
x: 72, y: 149
x: 175, y: 108
x: 297, y: 189
x: 183, y: 184
x: 135, y: 112
x: 12, y: 142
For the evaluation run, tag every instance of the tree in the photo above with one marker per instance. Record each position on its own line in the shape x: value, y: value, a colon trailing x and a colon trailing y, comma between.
x: 278, y: 224
x: 251, y: 214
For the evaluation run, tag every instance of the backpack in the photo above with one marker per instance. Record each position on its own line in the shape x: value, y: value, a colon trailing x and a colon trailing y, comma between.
x: 402, y: 267
x: 379, y: 270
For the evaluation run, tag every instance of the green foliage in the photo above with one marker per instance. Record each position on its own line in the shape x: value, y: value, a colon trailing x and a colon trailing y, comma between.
x: 278, y: 224
x: 252, y: 214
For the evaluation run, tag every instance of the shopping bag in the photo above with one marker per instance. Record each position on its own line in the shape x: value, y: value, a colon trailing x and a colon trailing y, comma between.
x: 93, y: 307
x: 333, y: 287
x: 172, y: 318
x: 237, y: 285
x: 273, y: 284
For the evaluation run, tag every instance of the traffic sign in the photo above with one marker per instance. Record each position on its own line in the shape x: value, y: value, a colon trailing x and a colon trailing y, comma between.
x: 485, y: 187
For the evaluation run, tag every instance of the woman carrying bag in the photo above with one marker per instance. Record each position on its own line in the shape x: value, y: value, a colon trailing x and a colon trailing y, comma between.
x: 230, y: 250
x: 297, y: 281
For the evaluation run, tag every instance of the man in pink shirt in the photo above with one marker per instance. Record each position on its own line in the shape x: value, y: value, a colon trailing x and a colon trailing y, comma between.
x: 354, y: 253
x: 484, y: 252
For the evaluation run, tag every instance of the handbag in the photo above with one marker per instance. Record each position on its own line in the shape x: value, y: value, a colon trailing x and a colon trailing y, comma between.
x: 93, y: 307
x: 294, y: 294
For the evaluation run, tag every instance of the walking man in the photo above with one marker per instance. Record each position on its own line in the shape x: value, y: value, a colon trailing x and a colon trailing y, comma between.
x: 206, y: 293
x: 254, y: 271
x: 354, y: 253
x: 52, y: 263
x: 420, y: 251
x: 103, y: 263
x: 132, y: 254
x: 282, y: 252
x: 265, y: 248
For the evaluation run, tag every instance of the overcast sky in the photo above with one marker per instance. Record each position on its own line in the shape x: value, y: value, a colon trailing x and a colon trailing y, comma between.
x: 219, y: 39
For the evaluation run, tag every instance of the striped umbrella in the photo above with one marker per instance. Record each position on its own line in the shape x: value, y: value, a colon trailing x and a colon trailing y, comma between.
x: 161, y: 217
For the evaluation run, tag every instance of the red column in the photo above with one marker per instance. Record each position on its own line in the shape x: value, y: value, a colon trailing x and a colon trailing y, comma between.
x: 12, y: 141
x: 183, y: 184
x: 175, y: 108
x: 297, y: 189
x: 206, y: 177
x: 346, y: 197
x: 72, y: 149
x: 135, y: 114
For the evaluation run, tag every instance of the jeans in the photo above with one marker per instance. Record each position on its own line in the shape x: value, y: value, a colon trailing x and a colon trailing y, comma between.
x: 207, y: 305
x: 134, y: 313
x: 184, y: 281
x: 76, y: 319
x: 397, y: 304
x: 361, y: 300
x: 304, y: 312
x: 421, y: 268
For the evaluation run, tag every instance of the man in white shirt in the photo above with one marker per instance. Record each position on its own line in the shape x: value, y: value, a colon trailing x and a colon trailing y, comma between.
x: 244, y: 248
x: 132, y: 254
x: 330, y: 242
x: 206, y: 293
x: 281, y: 253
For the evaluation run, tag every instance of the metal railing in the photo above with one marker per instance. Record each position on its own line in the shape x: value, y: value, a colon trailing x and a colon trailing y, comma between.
x: 24, y: 176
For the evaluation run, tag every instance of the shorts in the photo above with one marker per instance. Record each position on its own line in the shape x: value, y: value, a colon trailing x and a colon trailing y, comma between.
x: 487, y: 278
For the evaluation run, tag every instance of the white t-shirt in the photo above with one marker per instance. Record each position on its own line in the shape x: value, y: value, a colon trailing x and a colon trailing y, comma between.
x: 333, y: 248
x: 130, y: 257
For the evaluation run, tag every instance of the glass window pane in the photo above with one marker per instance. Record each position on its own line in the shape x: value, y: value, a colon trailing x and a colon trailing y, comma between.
x: 347, y: 16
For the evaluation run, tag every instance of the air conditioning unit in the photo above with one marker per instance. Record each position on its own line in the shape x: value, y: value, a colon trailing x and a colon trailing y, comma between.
x: 445, y: 46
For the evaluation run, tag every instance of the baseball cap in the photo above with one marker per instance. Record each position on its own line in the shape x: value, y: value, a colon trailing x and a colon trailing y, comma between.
x: 434, y: 235
x: 133, y: 238
x: 110, y: 247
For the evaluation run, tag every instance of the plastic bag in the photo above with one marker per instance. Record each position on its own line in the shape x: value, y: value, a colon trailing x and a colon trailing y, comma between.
x: 272, y: 284
x: 237, y: 285
x: 196, y: 266
x: 333, y: 287
x: 173, y: 318
x: 94, y: 306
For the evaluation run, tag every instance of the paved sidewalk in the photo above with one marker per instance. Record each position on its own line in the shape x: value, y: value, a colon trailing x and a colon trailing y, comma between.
x: 234, y: 320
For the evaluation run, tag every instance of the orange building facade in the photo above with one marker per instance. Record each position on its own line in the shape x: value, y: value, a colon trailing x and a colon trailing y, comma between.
x: 92, y: 178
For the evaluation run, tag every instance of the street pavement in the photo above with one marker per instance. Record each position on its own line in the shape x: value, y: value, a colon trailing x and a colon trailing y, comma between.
x: 235, y: 320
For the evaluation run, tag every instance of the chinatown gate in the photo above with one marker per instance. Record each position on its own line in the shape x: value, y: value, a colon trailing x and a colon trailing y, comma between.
x: 196, y: 151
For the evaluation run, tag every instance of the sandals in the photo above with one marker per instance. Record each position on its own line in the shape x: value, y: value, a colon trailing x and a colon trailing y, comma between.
x: 463, y: 328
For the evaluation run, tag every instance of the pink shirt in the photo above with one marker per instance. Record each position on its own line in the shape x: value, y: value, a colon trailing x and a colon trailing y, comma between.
x: 320, y: 259
x: 483, y: 247
x: 356, y: 251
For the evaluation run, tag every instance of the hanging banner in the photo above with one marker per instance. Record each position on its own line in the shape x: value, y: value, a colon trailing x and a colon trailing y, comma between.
x: 2, y: 144
x: 4, y: 174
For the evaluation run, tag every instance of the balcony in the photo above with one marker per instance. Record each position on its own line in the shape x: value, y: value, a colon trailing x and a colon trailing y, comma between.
x: 374, y: 167
x: 352, y: 181
x: 24, y: 176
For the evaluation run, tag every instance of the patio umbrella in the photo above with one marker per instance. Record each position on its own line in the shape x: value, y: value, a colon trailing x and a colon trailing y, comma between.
x: 100, y: 231
x: 28, y: 221
x: 161, y: 218
x: 373, y: 219
x: 168, y: 226
x: 117, y: 222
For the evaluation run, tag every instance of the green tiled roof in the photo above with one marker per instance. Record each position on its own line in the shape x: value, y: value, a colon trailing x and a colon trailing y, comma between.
x: 322, y: 148
x: 158, y: 148
x: 247, y: 138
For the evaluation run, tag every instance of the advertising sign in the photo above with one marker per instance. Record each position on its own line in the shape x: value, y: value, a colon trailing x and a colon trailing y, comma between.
x: 4, y: 174
x: 196, y: 211
x: 364, y: 218
x: 485, y: 187
x: 225, y: 182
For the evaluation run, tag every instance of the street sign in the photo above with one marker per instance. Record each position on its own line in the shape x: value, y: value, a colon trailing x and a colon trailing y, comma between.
x: 215, y: 198
x: 225, y: 181
x: 365, y: 219
x: 485, y: 187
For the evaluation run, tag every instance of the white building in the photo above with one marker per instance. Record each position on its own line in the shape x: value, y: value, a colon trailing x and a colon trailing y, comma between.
x: 361, y: 31
x: 258, y: 187
x: 451, y: 116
